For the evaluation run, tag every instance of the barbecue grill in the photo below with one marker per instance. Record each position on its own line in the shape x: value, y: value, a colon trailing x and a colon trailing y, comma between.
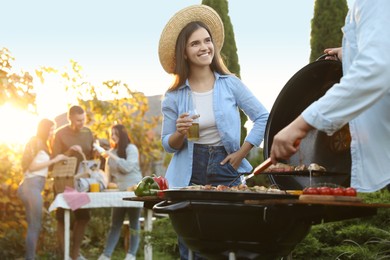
x: 332, y: 152
x: 266, y: 225
x: 255, y: 226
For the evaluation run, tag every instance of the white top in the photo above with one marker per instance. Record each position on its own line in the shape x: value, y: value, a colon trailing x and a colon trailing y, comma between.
x: 125, y: 172
x: 208, y: 132
x: 41, y: 157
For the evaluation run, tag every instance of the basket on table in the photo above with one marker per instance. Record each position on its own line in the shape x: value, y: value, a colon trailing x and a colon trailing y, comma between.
x: 64, y: 173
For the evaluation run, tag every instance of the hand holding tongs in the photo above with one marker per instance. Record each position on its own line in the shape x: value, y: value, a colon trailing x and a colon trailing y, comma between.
x: 259, y: 169
x: 262, y: 167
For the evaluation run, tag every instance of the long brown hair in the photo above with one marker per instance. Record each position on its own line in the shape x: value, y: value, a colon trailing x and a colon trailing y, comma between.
x: 37, y: 143
x: 182, y: 69
x: 123, y: 140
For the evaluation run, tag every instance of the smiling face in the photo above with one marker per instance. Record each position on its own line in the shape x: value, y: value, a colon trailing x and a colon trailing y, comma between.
x: 114, y: 136
x: 77, y: 121
x: 199, y: 49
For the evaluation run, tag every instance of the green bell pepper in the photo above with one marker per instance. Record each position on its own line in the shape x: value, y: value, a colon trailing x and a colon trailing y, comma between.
x: 147, y: 187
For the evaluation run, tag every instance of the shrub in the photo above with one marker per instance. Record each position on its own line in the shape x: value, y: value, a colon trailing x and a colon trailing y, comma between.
x: 365, y: 238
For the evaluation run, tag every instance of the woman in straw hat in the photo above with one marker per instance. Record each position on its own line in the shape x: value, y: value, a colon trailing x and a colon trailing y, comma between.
x: 189, y: 48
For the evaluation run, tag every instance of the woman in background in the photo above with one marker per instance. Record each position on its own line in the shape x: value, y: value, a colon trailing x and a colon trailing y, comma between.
x: 122, y: 165
x: 35, y: 164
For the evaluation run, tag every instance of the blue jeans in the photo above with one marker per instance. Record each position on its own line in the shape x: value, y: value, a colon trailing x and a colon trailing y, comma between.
x: 117, y: 217
x: 29, y: 192
x: 207, y: 169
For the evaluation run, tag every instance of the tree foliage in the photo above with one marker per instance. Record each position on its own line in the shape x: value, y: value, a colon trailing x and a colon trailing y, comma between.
x: 229, y: 49
x: 15, y: 87
x: 129, y: 111
x: 328, y: 19
x: 111, y: 103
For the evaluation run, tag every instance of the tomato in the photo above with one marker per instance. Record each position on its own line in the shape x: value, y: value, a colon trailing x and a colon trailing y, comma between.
x: 350, y: 192
x: 338, y: 191
x: 310, y: 191
x: 325, y: 190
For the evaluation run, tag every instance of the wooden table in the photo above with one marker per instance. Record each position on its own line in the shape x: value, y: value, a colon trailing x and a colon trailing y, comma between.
x: 327, y: 208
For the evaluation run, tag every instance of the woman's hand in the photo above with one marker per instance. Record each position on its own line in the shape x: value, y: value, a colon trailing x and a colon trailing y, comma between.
x: 234, y: 159
x: 110, y: 154
x: 335, y: 54
x: 35, y: 166
x: 183, y: 123
x: 60, y: 157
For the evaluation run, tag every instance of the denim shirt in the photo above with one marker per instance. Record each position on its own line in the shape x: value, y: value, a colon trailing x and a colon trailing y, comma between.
x: 362, y: 97
x: 229, y: 94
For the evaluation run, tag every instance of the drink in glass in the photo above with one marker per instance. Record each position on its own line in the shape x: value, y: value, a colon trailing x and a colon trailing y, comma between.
x: 193, y: 132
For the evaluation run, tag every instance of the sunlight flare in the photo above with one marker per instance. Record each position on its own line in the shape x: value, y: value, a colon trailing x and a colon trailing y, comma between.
x: 18, y: 125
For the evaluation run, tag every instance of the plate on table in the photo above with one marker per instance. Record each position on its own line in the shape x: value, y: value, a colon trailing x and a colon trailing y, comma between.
x: 111, y: 190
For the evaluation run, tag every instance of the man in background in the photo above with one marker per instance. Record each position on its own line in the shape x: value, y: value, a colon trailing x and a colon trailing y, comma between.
x: 74, y: 139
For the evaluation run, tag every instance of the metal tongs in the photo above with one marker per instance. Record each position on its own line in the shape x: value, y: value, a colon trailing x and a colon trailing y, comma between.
x: 259, y: 169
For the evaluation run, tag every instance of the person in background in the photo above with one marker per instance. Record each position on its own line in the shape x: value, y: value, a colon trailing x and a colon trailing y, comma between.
x: 73, y: 140
x: 35, y: 165
x: 122, y: 165
x: 361, y: 98
x: 189, y: 48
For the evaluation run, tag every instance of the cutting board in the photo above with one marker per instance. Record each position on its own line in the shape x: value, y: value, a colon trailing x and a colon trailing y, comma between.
x: 305, y: 197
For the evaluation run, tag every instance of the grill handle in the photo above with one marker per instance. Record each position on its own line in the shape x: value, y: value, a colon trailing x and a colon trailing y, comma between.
x: 166, y: 208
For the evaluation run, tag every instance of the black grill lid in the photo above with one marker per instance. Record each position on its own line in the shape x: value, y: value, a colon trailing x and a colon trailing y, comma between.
x: 306, y: 86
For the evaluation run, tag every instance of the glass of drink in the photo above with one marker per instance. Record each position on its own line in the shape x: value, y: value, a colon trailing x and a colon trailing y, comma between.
x: 193, y: 132
x: 94, y: 187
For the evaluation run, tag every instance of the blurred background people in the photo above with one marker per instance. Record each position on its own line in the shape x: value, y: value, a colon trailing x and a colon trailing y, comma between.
x: 73, y: 140
x: 123, y: 168
x: 35, y: 164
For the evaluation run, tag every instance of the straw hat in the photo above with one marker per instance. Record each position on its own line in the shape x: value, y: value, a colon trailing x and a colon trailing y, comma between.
x: 202, y: 13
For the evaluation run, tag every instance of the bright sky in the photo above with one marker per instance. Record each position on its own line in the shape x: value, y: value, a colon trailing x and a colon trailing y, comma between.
x: 118, y: 39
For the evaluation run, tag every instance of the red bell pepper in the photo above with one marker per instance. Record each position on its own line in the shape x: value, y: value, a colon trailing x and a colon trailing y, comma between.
x: 161, y: 181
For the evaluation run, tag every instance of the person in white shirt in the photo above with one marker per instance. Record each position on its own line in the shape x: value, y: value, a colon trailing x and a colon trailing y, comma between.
x: 123, y: 167
x: 361, y: 98
x: 35, y: 164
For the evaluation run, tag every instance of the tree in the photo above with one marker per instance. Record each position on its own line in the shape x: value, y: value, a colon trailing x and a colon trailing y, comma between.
x: 110, y: 103
x: 229, y: 49
x: 14, y: 87
x: 128, y: 110
x: 328, y: 19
